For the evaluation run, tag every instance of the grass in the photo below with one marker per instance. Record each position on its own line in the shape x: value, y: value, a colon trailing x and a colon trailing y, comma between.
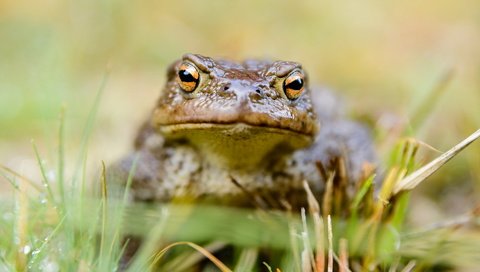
x: 85, y: 235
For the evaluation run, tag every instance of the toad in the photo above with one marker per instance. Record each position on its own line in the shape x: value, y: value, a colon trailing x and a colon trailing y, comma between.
x: 242, y: 133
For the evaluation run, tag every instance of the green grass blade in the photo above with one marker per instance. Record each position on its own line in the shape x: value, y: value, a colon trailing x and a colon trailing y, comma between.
x: 423, y: 110
x: 45, y: 181
x: 61, y: 157
x: 144, y: 257
x: 89, y: 126
x: 22, y: 178
x: 10, y: 180
x: 361, y: 194
x: 5, y: 263
x: 36, y: 254
x: 102, y: 264
x: 246, y: 261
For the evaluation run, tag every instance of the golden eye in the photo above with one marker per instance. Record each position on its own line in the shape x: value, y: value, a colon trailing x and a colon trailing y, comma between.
x: 293, y: 85
x: 188, y: 77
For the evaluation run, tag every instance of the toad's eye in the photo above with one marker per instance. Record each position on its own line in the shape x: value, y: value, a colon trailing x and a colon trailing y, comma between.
x: 293, y: 85
x: 188, y: 77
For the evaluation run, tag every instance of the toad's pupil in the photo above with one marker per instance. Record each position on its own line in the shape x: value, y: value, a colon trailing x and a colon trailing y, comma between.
x: 186, y: 76
x: 297, y: 84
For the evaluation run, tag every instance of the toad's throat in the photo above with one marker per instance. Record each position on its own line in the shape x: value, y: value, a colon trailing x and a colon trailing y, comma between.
x: 237, y: 145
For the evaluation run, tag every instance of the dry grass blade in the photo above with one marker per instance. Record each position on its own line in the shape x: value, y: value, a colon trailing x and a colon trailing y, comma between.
x: 313, y: 204
x: 308, y: 260
x: 412, y: 180
x: 454, y: 223
x: 423, y: 144
x: 343, y: 262
x: 346, y: 268
x: 306, y: 265
x: 330, y: 245
x: 386, y: 191
x: 328, y: 195
x: 319, y: 235
x: 409, y: 267
x: 186, y: 260
x: 200, y: 249
x: 318, y: 228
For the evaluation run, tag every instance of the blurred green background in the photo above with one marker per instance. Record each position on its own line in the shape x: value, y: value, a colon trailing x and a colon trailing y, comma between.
x: 384, y: 57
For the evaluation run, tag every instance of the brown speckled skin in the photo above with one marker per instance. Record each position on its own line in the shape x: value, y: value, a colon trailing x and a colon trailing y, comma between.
x: 241, y: 112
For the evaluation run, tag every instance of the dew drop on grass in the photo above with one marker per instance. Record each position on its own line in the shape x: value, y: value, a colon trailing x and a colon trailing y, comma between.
x: 51, y: 175
x: 26, y: 249
x: 35, y: 252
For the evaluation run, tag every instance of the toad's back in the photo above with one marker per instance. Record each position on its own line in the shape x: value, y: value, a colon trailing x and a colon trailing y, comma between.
x: 229, y: 131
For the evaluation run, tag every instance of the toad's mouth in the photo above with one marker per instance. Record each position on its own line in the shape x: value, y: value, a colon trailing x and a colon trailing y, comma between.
x: 237, y: 145
x: 231, y: 128
x: 282, y: 122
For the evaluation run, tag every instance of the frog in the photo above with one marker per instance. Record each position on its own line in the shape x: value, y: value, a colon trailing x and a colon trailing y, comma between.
x: 248, y: 133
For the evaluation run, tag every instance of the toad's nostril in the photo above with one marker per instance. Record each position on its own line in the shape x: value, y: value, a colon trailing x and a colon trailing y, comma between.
x: 256, y: 96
